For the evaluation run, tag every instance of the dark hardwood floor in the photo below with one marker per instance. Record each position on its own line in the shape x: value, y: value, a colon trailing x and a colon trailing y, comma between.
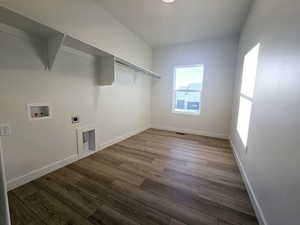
x: 153, y: 178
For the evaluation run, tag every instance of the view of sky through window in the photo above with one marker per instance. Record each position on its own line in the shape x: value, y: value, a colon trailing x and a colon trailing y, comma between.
x: 186, y: 76
x: 187, y: 89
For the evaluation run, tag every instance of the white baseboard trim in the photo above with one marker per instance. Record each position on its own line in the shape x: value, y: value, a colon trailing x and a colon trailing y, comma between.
x: 191, y: 131
x: 258, y: 211
x: 19, y: 181
x: 35, y: 174
x: 122, y: 138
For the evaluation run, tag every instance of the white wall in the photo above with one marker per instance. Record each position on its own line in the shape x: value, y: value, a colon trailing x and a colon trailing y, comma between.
x: 272, y: 160
x: 89, y: 22
x: 71, y: 88
x: 219, y: 59
x: 4, y: 212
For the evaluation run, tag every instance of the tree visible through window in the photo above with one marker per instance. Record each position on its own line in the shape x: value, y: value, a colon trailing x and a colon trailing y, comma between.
x: 188, y: 81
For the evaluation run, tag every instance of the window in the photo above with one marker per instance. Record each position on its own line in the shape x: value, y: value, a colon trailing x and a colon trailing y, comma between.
x: 187, y: 89
x: 247, y: 93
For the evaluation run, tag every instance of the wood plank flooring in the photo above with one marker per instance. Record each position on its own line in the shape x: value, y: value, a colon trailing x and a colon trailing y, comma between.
x: 154, y: 178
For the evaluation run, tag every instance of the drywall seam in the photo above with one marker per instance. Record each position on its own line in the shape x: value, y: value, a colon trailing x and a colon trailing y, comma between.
x: 258, y: 211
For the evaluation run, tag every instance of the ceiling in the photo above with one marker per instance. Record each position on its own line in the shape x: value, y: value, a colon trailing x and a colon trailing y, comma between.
x: 183, y: 21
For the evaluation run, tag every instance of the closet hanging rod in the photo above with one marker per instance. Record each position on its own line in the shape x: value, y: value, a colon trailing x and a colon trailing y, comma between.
x: 136, y: 68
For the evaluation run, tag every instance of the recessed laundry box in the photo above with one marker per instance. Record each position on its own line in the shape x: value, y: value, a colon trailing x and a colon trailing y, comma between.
x: 39, y: 111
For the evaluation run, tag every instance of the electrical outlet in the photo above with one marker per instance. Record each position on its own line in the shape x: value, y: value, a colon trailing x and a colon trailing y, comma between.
x: 75, y: 119
x: 5, y: 130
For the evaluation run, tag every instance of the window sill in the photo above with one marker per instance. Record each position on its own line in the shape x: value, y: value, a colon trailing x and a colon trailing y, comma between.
x: 186, y: 113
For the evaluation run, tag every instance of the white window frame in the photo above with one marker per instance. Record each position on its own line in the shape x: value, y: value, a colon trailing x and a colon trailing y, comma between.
x: 174, y: 91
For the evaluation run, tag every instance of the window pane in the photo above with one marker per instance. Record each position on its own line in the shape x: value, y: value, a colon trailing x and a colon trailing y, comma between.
x: 188, y: 85
x: 244, y: 119
x: 187, y: 101
x: 189, y: 78
x: 249, y: 71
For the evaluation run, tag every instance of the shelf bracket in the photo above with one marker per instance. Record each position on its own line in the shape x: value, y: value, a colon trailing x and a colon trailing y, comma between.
x: 53, y: 46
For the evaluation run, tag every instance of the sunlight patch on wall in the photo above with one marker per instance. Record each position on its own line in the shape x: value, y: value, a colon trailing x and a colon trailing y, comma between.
x: 247, y: 93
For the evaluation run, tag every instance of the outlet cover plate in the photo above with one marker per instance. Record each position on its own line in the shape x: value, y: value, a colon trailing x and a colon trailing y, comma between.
x: 5, y: 130
x: 75, y: 119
